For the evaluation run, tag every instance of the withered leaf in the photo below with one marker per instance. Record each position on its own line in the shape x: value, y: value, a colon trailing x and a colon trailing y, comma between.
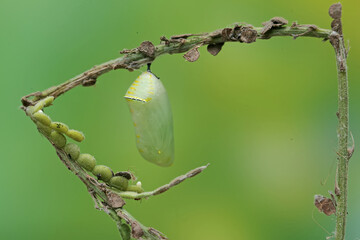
x: 279, y: 21
x: 192, y: 55
x: 267, y: 26
x: 236, y: 32
x: 335, y: 11
x: 336, y: 26
x: 147, y: 48
x: 114, y: 200
x: 225, y: 33
x: 136, y: 230
x: 248, y: 35
x: 127, y: 175
x: 214, y: 49
x: 88, y: 82
x: 325, y: 205
x: 272, y: 23
x: 337, y: 190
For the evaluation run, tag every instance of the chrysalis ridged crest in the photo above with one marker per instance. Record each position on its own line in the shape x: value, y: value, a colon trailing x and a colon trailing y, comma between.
x: 152, y: 117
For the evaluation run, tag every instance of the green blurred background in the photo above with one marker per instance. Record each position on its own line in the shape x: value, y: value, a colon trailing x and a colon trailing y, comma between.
x: 262, y: 114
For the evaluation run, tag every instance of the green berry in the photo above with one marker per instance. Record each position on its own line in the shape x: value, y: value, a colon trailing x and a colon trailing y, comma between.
x: 44, y: 130
x: 30, y: 110
x: 40, y: 105
x: 60, y: 127
x: 135, y: 188
x: 48, y: 101
x: 43, y: 103
x: 103, y: 173
x: 40, y: 116
x: 86, y: 161
x: 57, y: 139
x: 76, y: 135
x: 119, y: 182
x: 73, y: 150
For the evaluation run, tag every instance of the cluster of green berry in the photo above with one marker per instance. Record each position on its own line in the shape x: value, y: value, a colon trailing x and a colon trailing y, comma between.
x: 118, y: 180
x: 55, y: 131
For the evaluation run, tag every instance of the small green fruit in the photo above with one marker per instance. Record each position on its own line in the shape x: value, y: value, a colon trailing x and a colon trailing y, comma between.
x: 103, y: 173
x: 44, y: 130
x: 119, y: 182
x: 86, y: 161
x: 58, y: 139
x: 48, y: 101
x: 135, y: 188
x: 40, y: 105
x: 43, y: 103
x: 76, y: 135
x: 73, y: 150
x: 30, y: 110
x: 40, y: 116
x: 60, y: 127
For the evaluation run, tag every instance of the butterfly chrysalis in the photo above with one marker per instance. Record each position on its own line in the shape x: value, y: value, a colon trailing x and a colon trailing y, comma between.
x: 152, y: 117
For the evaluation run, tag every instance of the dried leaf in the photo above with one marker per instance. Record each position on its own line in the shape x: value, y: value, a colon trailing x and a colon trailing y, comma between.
x: 274, y: 22
x: 333, y: 198
x: 114, y: 200
x: 325, y: 205
x: 136, y: 230
x: 335, y: 11
x: 337, y: 191
x: 192, y: 55
x: 279, y: 21
x: 214, y: 49
x: 336, y: 26
x: 236, y: 32
x: 88, y: 82
x: 267, y: 26
x: 165, y: 40
x: 127, y: 175
x: 226, y: 33
x: 147, y: 48
x: 248, y: 35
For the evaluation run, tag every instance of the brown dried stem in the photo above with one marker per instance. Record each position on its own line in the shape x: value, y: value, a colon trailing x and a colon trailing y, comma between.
x: 135, y: 58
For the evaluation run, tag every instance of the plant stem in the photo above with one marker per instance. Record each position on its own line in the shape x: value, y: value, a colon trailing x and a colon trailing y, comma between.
x: 344, y: 154
x: 134, y: 59
x: 343, y: 135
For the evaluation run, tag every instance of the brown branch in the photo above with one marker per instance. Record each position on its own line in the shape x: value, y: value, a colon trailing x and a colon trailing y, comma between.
x: 147, y: 53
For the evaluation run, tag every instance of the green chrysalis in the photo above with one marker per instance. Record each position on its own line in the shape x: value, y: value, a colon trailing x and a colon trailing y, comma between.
x: 152, y: 117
